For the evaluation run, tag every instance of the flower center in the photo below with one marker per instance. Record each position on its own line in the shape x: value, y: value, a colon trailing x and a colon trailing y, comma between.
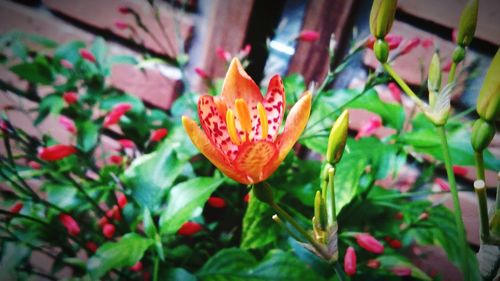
x: 245, y: 122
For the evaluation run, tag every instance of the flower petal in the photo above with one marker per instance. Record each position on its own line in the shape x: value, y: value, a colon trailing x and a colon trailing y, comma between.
x: 239, y: 85
x: 215, y: 127
x: 201, y: 141
x: 274, y: 104
x: 253, y: 158
x: 295, y: 124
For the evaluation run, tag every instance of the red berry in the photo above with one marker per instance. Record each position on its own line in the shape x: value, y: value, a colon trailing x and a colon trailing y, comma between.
x: 395, y: 244
x: 122, y: 200
x: 216, y: 202
x: 108, y: 230
x: 137, y: 266
x: 91, y: 246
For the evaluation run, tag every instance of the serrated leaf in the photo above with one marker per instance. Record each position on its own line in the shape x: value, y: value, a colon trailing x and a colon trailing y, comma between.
x: 111, y: 255
x: 184, y: 199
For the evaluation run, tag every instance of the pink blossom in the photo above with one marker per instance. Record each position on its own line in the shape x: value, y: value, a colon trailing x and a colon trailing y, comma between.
x: 369, y: 243
x: 108, y: 230
x: 246, y: 50
x: 369, y: 128
x: 70, y: 97
x: 126, y: 143
x: 395, y: 91
x: 308, y: 35
x: 201, y: 72
x: 56, y: 152
x: 223, y: 54
x: 87, y: 55
x: 116, y: 113
x: 66, y: 64
x: 189, y: 228
x: 158, y: 135
x: 447, y: 67
x: 115, y: 159
x: 70, y: 224
x: 34, y: 165
x: 410, y: 45
x: 68, y: 124
x: 401, y: 271
x: 427, y: 43
x: 460, y: 170
x: 442, y: 184
x: 350, y: 261
x: 393, y: 41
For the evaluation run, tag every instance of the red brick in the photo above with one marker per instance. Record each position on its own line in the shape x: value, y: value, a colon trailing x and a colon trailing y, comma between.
x: 154, y: 87
x: 103, y: 14
x: 447, y: 13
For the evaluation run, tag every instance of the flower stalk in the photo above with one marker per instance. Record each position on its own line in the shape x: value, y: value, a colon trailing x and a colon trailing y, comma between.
x: 456, y: 201
x: 480, y: 188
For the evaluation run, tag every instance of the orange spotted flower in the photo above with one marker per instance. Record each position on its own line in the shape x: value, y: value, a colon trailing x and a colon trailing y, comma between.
x: 240, y: 127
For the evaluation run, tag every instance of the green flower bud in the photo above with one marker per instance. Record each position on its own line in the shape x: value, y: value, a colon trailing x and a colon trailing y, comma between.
x: 467, y: 25
x: 434, y: 78
x: 264, y: 193
x: 482, y: 134
x: 488, y: 102
x: 458, y: 54
x: 320, y: 211
x: 337, y: 139
x: 381, y: 49
x: 382, y: 17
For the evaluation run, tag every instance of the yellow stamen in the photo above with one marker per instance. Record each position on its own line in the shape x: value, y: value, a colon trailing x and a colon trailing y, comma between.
x: 263, y: 120
x: 244, y: 115
x: 231, y: 128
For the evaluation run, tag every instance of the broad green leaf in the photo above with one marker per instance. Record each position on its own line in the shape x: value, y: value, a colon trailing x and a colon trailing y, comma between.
x: 42, y: 41
x: 150, y: 175
x: 126, y: 252
x: 34, y: 72
x: 64, y: 196
x: 235, y: 264
x: 387, y: 262
x: 88, y: 135
x: 52, y: 103
x: 99, y: 49
x: 183, y: 201
x: 69, y: 51
x: 259, y: 229
x: 149, y: 225
x: 427, y: 140
x: 295, y: 86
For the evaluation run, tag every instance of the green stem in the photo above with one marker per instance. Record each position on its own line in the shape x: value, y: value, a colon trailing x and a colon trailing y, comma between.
x: 479, y: 165
x: 283, y: 214
x: 156, y: 267
x: 456, y: 202
x: 331, y: 189
x: 402, y: 84
x: 451, y: 76
x: 480, y: 189
x: 340, y: 272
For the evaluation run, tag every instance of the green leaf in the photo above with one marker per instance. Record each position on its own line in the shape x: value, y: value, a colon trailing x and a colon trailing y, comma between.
x: 69, y: 51
x: 176, y: 274
x: 88, y: 135
x: 149, y: 225
x: 42, y: 41
x: 108, y: 102
x: 99, y: 49
x: 150, y: 175
x: 126, y: 252
x: 235, y: 264
x: 184, y: 200
x: 259, y: 229
x: 389, y: 261
x: 64, y: 196
x: 35, y: 72
x: 426, y: 140
x: 52, y: 103
x: 122, y: 59
x: 295, y: 86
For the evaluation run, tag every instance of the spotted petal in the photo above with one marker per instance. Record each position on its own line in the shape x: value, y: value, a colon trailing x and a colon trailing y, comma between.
x: 201, y: 141
x: 274, y: 104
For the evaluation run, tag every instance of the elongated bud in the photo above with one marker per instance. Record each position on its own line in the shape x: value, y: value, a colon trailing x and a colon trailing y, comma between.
x: 350, y: 261
x: 264, y: 193
x: 189, y: 228
x: 369, y: 243
x: 382, y: 17
x: 320, y: 210
x: 338, y: 138
x: 467, y: 25
x: 434, y: 79
x: 482, y: 134
x: 381, y: 50
x: 488, y: 102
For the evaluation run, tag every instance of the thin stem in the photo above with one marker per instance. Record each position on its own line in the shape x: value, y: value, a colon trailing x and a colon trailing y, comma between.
x: 456, y: 201
x: 340, y: 272
x: 480, y: 189
x: 155, y: 268
x: 498, y: 192
x: 451, y: 76
x: 479, y: 165
x: 331, y: 190
x: 283, y: 214
x: 402, y: 84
